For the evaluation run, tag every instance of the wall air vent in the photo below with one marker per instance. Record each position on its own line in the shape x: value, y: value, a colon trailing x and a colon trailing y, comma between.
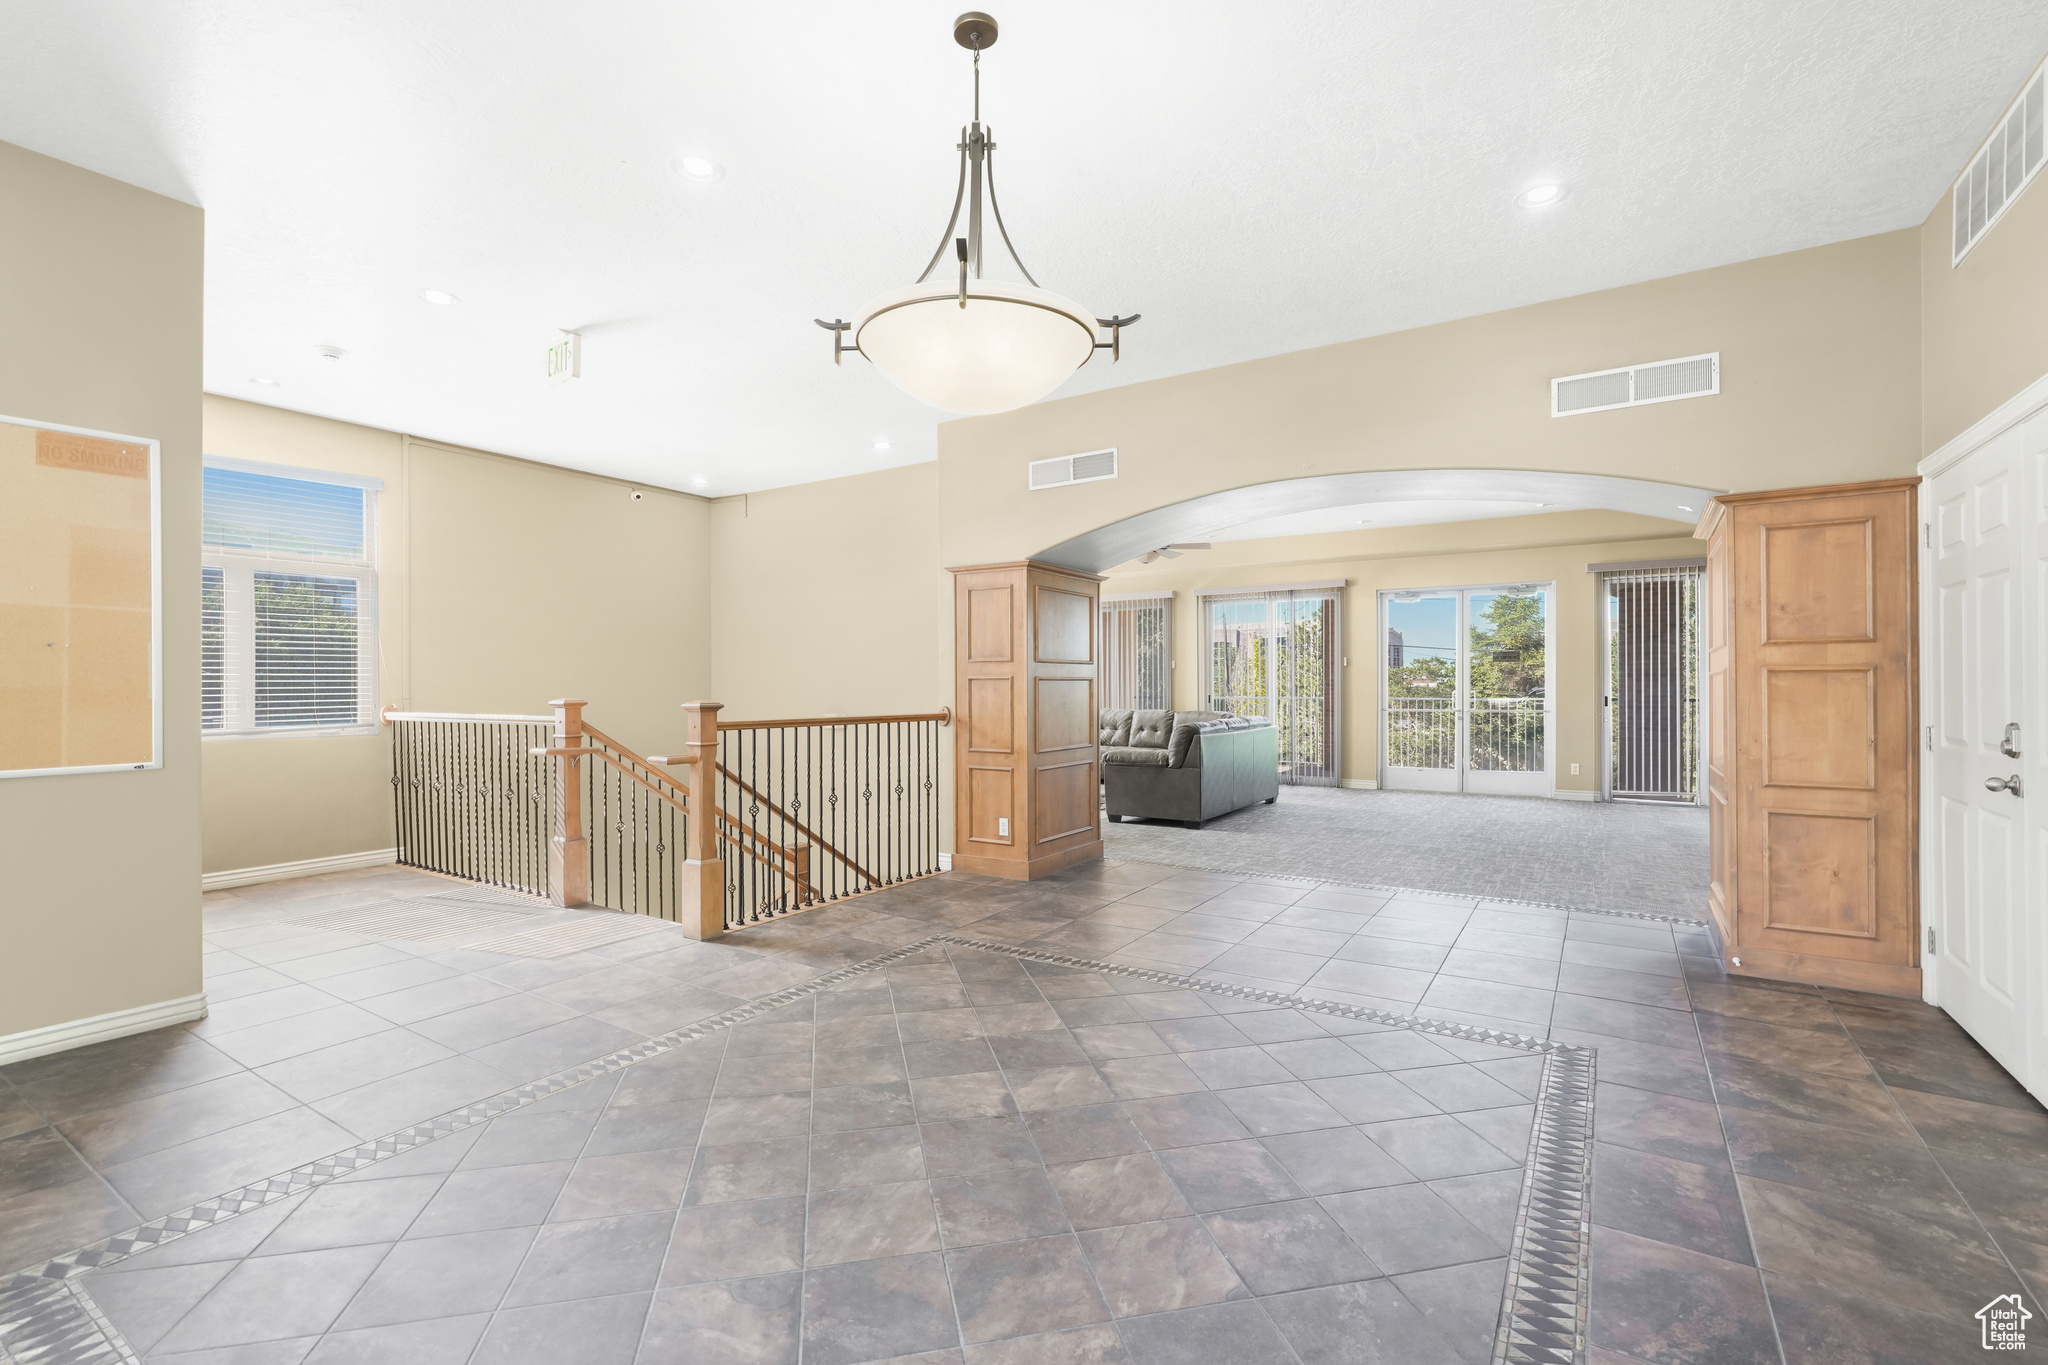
x: 2002, y: 167
x: 1694, y: 376
x: 1066, y: 469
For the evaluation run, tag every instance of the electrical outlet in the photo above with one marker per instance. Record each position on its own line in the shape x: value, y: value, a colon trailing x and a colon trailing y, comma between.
x: 1003, y: 826
x: 1575, y: 770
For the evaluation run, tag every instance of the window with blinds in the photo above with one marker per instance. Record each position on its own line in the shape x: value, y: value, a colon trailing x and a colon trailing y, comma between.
x: 288, y: 589
x: 1275, y: 652
x: 1137, y: 653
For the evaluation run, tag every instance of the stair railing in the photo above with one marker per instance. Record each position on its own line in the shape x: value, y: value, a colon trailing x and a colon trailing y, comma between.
x: 799, y: 813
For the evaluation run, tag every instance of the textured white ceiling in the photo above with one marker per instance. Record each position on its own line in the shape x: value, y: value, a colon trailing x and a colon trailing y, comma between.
x: 1254, y: 179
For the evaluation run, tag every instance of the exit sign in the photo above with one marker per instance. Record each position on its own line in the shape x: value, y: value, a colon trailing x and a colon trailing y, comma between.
x: 565, y: 357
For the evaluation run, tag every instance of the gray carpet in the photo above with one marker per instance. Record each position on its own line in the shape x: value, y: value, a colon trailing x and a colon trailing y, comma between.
x: 1606, y: 856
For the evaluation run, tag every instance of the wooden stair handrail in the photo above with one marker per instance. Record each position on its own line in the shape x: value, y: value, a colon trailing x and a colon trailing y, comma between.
x: 681, y: 802
x: 816, y: 838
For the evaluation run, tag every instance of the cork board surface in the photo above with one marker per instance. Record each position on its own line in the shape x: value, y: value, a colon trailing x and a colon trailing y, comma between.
x: 77, y: 609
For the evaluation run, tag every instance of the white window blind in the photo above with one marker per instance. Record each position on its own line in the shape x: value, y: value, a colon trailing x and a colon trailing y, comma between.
x: 1274, y: 652
x: 288, y: 590
x: 1137, y: 653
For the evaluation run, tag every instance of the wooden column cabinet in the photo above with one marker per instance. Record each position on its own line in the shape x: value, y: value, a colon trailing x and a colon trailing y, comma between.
x: 1024, y: 677
x: 1813, y: 771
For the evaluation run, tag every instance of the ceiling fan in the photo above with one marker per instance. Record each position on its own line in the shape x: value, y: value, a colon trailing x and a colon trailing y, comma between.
x: 1173, y: 551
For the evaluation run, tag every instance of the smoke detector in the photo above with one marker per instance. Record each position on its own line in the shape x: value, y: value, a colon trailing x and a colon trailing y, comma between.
x: 330, y: 352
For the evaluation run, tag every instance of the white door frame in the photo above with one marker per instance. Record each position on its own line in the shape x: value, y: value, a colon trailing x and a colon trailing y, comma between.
x: 1459, y: 777
x: 2028, y: 406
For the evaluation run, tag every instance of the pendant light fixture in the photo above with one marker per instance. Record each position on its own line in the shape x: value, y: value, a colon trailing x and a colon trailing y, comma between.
x: 975, y: 345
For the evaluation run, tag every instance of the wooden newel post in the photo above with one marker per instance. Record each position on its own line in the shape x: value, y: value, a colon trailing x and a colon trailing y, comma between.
x: 703, y: 889
x: 569, y: 850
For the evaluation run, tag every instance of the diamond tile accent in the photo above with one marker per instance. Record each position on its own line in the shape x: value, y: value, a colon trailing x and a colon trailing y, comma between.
x: 1543, y: 1315
x: 46, y: 1315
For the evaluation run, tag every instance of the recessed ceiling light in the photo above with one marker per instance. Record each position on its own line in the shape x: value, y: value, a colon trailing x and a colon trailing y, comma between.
x: 1540, y: 196
x: 265, y: 381
x: 882, y: 445
x: 1683, y: 508
x: 700, y: 168
x: 700, y: 482
x: 440, y: 296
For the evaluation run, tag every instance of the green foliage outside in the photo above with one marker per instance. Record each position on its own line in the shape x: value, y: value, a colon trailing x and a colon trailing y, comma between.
x: 1506, y: 661
x: 305, y: 649
x: 1297, y: 656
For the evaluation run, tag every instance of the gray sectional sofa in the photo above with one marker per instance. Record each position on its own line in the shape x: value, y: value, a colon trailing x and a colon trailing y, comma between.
x: 1190, y: 766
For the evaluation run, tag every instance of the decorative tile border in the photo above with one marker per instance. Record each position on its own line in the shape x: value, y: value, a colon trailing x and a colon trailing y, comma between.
x: 55, y: 1322
x: 1469, y: 1032
x: 48, y: 1318
x: 1543, y: 1309
x: 1688, y: 921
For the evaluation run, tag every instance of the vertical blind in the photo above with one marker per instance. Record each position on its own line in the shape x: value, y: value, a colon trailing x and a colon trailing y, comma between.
x: 1275, y: 654
x: 288, y: 590
x: 1137, y: 653
x: 1653, y: 674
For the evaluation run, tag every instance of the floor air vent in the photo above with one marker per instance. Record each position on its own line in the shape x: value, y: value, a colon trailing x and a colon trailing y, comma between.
x: 1694, y: 376
x: 1066, y: 469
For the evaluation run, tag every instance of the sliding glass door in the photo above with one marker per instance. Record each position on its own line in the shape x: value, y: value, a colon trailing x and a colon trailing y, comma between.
x: 1275, y: 654
x: 1467, y: 690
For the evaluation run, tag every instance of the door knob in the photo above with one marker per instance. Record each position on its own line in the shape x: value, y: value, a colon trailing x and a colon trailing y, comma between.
x: 2003, y: 784
x: 2010, y: 745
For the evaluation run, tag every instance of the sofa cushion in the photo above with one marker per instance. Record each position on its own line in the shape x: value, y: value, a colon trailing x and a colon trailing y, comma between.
x: 1115, y: 729
x: 1151, y: 729
x: 1130, y: 757
x: 1183, y: 740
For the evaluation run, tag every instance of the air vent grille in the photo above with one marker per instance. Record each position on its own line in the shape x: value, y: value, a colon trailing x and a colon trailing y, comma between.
x: 1694, y: 376
x: 1066, y: 469
x: 2003, y: 166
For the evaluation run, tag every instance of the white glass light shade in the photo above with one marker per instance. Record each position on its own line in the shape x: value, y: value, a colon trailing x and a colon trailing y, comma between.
x: 1009, y: 346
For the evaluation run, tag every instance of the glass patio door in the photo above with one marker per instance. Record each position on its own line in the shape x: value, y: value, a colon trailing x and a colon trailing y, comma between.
x: 1467, y: 690
x: 1275, y: 654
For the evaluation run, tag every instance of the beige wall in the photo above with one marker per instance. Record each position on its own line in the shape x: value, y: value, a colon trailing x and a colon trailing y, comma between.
x: 1554, y: 548
x: 100, y: 289
x: 1984, y: 322
x: 1820, y: 384
x: 502, y: 584
x: 1821, y: 369
x: 824, y: 598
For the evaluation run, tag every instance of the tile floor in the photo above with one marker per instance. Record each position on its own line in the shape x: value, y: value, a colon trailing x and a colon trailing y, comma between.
x: 1781, y: 1173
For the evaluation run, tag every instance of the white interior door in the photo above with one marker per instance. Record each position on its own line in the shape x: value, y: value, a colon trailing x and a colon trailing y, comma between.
x: 1985, y: 951
x: 1466, y: 690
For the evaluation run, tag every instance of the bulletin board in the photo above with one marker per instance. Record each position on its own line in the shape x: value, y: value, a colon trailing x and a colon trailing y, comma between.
x: 81, y: 601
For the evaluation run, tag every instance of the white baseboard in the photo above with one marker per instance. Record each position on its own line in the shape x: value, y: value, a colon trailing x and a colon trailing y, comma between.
x: 306, y: 867
x: 38, y: 1042
x: 1563, y: 795
x: 1359, y: 784
x: 945, y: 862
